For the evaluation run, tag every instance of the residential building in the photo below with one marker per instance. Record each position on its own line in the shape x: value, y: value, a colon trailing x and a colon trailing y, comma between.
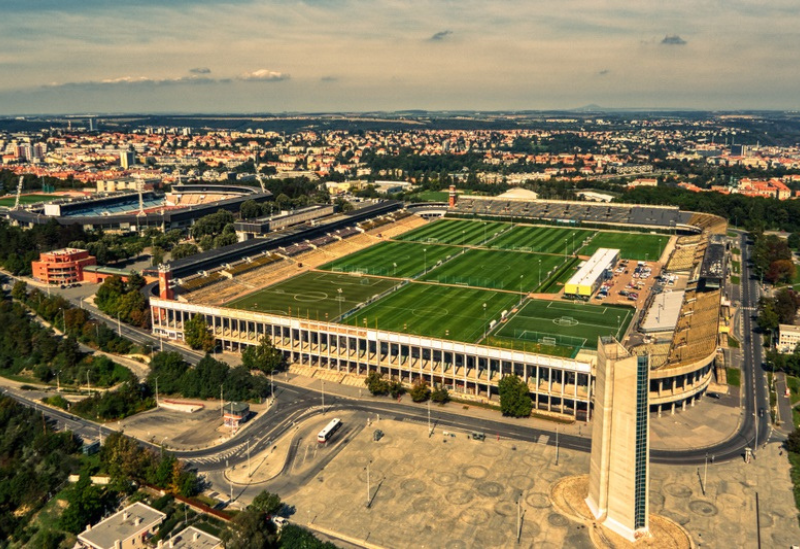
x: 127, y: 529
x: 191, y: 538
x: 63, y: 266
x: 788, y: 337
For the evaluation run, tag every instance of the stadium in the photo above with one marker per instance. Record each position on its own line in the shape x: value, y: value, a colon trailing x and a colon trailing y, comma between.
x: 463, y: 300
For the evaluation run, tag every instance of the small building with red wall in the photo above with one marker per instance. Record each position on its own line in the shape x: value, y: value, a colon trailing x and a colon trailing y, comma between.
x: 62, y: 266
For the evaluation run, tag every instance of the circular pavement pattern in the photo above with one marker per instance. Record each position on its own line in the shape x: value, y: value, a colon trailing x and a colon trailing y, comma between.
x: 391, y: 454
x: 656, y: 498
x: 374, y: 475
x: 336, y: 483
x: 730, y: 528
x: 490, y: 451
x: 384, y: 493
x: 531, y: 460
x: 456, y: 544
x: 551, y: 476
x: 538, y: 501
x: 521, y: 482
x: 676, y: 517
x: 505, y: 508
x: 423, y: 504
x: 703, y: 508
x: 476, y: 472
x: 459, y: 497
x: 445, y: 479
x: 490, y: 537
x: 430, y: 311
x: 472, y: 515
x: 678, y: 490
x: 490, y: 489
x: 402, y: 470
x: 413, y: 485
x: 559, y: 521
x: 311, y: 297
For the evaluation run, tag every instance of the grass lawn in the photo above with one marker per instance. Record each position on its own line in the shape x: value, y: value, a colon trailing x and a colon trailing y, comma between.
x: 631, y: 245
x: 734, y: 377
x: 314, y: 295
x: 501, y: 270
x: 736, y: 251
x: 445, y: 312
x: 27, y: 199
x: 560, y: 277
x: 410, y: 259
x: 735, y: 279
x: 541, y: 239
x: 736, y: 267
x: 794, y: 388
x: 432, y: 196
x: 733, y: 343
x: 565, y: 324
x: 459, y: 232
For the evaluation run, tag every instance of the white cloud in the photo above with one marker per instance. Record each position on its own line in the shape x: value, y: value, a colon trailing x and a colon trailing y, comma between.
x: 263, y: 75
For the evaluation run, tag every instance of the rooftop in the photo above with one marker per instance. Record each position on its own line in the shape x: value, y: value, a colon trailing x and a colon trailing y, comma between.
x: 193, y: 538
x: 131, y: 521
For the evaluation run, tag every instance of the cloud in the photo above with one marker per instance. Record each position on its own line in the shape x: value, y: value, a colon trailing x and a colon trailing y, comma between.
x: 263, y: 75
x: 603, y: 72
x: 673, y: 40
x: 140, y: 81
x: 441, y: 35
x: 200, y: 70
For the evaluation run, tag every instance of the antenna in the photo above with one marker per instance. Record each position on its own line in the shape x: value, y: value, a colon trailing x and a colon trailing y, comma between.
x: 19, y: 192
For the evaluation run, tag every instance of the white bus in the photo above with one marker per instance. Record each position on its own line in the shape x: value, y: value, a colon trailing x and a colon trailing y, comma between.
x: 326, y: 434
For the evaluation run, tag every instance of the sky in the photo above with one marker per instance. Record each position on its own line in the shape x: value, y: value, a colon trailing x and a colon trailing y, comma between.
x: 277, y: 56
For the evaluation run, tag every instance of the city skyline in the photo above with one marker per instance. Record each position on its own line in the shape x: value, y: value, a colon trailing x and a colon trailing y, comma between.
x: 248, y: 56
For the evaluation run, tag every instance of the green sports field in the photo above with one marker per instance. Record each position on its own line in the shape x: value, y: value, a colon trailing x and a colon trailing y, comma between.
x: 458, y: 232
x: 396, y: 259
x: 444, y: 312
x: 513, y: 271
x: 564, y: 324
x: 314, y: 295
x: 630, y: 245
x: 9, y: 201
x: 551, y: 240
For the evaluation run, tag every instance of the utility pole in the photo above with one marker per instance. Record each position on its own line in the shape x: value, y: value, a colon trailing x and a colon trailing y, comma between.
x: 88, y: 383
x: 58, y: 381
x: 323, y: 397
x: 156, y: 391
x: 249, y: 470
x: 119, y: 325
x: 705, y: 475
x: 272, y: 388
x: 430, y: 431
x: 556, y: 445
x: 519, y: 518
x: 368, y: 462
x: 221, y: 403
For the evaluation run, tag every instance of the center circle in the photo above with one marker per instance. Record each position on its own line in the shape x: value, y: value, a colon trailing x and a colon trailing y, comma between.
x: 311, y: 297
x: 565, y: 321
x: 430, y: 311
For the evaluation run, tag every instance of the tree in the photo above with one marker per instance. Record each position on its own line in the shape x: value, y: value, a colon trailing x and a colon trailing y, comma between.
x: 793, y: 441
x: 249, y: 530
x: 420, y: 392
x: 376, y: 384
x: 157, y: 256
x: 85, y: 505
x: 293, y: 536
x: 264, y: 357
x: 169, y: 368
x: 267, y: 502
x: 20, y: 290
x: 440, y: 395
x: 396, y: 389
x: 514, y: 398
x: 198, y: 335
x: 183, y: 250
x: 767, y: 316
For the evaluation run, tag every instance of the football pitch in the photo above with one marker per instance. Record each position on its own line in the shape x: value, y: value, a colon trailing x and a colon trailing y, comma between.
x: 9, y: 201
x: 513, y: 271
x: 630, y: 245
x: 550, y: 240
x: 397, y: 259
x: 458, y: 232
x: 444, y: 312
x: 565, y: 324
x: 314, y: 295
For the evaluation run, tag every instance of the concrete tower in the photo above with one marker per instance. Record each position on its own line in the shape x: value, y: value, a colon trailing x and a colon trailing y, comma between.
x: 452, y: 202
x: 619, y: 475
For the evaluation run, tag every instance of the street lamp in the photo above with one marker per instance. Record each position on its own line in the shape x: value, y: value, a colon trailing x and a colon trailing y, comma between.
x: 484, y: 320
x: 162, y: 447
x: 425, y: 253
x: 540, y: 272
x: 58, y: 381
x: 339, y: 290
x: 119, y: 325
x: 156, y: 391
x: 566, y: 247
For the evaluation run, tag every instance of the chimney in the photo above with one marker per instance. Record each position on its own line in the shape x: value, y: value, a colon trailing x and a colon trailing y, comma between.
x: 196, y: 536
x: 137, y: 521
x: 125, y: 516
x: 88, y: 527
x: 160, y: 544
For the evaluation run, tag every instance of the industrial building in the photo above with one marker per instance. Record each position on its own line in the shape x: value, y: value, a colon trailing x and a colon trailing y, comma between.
x: 592, y: 273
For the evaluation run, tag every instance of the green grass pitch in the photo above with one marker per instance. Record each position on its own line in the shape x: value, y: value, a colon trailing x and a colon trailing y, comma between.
x: 564, y: 324
x: 27, y: 199
x: 314, y: 295
x: 444, y: 312
x: 630, y: 245
x: 410, y: 259
x: 513, y: 271
x: 552, y: 240
x: 458, y: 232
